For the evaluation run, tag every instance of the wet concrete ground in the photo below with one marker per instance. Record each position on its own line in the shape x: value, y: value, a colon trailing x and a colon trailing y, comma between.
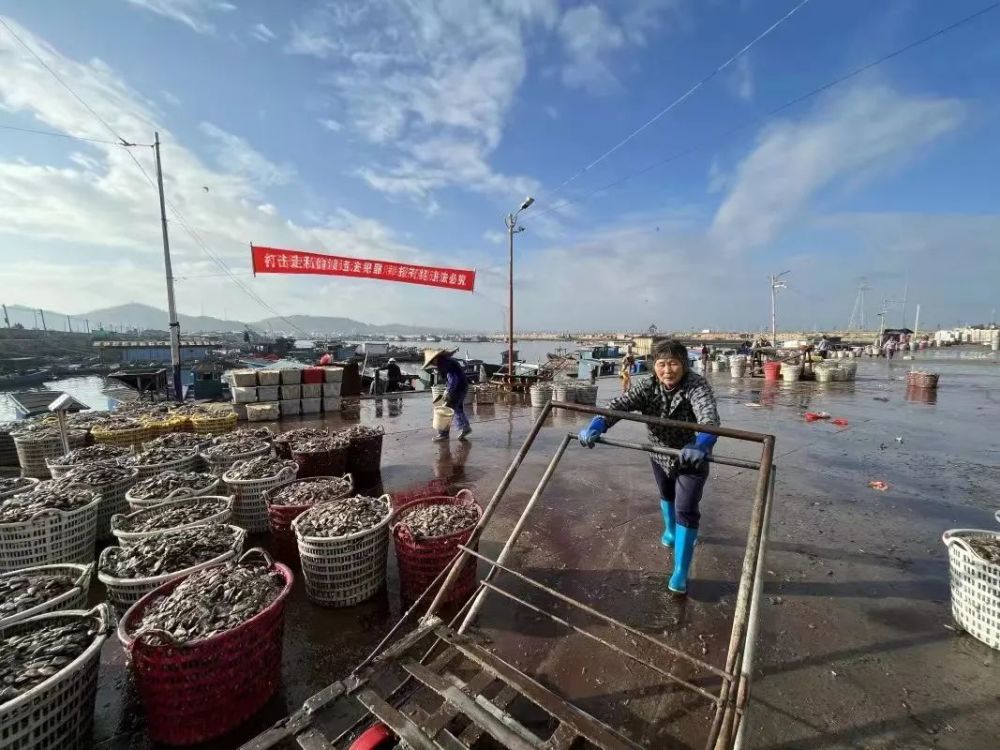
x: 857, y: 644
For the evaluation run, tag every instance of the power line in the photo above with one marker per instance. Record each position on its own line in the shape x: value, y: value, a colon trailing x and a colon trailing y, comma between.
x: 770, y: 113
x: 57, y: 134
x: 680, y: 99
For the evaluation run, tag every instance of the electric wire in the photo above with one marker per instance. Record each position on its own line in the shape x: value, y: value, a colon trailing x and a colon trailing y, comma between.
x: 56, y: 134
x: 680, y: 99
x: 776, y: 110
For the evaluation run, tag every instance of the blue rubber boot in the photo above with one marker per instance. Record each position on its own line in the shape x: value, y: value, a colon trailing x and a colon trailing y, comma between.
x: 683, y: 552
x: 667, y: 509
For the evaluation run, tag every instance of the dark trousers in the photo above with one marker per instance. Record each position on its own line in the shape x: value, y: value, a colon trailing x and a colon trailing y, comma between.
x: 684, y: 491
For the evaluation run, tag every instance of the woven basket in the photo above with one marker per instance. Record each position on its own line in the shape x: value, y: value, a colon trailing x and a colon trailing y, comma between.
x: 75, y: 598
x: 32, y: 483
x: 282, y: 448
x: 136, y: 503
x: 346, y: 570
x: 58, y: 713
x: 221, y: 464
x: 124, y: 592
x: 327, y: 463
x: 825, y: 373
x: 565, y: 393
x: 113, y: 502
x: 280, y: 517
x: 250, y: 508
x: 126, y: 538
x: 8, y: 452
x: 195, y: 691
x: 128, y: 437
x: 975, y: 586
x: 421, y: 560
x: 165, y: 424
x: 214, y: 424
x: 58, y: 471
x: 919, y: 379
x: 364, y: 456
x: 34, y: 452
x: 485, y: 394
x: 190, y: 461
x: 51, y: 537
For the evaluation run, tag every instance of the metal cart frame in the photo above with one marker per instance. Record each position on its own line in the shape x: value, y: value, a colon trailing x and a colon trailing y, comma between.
x: 482, y: 713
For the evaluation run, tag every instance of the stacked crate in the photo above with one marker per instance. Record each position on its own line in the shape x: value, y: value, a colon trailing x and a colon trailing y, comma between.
x: 255, y: 394
x: 333, y: 380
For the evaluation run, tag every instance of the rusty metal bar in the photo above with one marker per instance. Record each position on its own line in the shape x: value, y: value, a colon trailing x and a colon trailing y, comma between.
x: 601, y: 616
x: 719, y: 734
x: 596, y: 638
x: 597, y: 411
x: 585, y: 725
x: 750, y: 647
x: 650, y: 448
x: 515, y: 532
x: 491, y: 507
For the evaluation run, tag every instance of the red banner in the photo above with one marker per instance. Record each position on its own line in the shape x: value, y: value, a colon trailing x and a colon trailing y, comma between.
x: 278, y: 260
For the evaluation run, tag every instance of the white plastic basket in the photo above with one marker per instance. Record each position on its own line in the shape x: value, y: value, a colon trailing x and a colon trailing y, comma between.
x: 312, y: 390
x: 126, y: 538
x: 58, y: 713
x: 33, y: 452
x: 825, y: 373
x: 332, y: 389
x: 268, y: 393
x: 51, y: 537
x: 124, y: 592
x: 244, y: 395
x: 291, y: 408
x: 268, y: 377
x: 188, y: 462
x: 32, y: 483
x: 342, y: 571
x: 485, y: 394
x: 791, y: 373
x: 291, y: 376
x: 249, y: 507
x: 263, y: 412
x: 311, y: 405
x: 137, y: 503
x: 221, y: 464
x: 291, y: 392
x: 975, y: 586
x: 564, y: 393
x: 113, y: 501
x: 75, y: 598
x: 243, y: 378
x: 540, y: 394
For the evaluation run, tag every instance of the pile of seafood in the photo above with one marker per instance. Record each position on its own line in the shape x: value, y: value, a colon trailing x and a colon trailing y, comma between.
x: 302, y: 433
x: 153, y: 456
x: 98, y: 475
x: 213, y: 600
x: 311, y: 492
x: 24, y: 590
x: 254, y: 433
x: 343, y: 517
x: 168, y: 552
x: 29, y: 658
x: 438, y: 520
x: 986, y: 548
x: 177, y: 513
x: 91, y: 454
x: 362, y: 432
x: 260, y: 467
x: 165, y: 482
x: 53, y: 495
x: 7, y: 484
x: 237, y: 447
x: 323, y: 444
x: 188, y: 440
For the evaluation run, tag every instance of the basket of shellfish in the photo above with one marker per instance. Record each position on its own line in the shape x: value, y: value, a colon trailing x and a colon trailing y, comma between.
x: 205, y: 650
x: 180, y: 439
x: 48, y: 679
x: 131, y: 572
x: 36, y: 444
x: 343, y: 547
x: 111, y: 482
x: 54, y: 523
x: 10, y: 486
x: 91, y: 454
x: 321, y: 456
x: 172, y: 515
x: 171, y: 485
x: 974, y: 565
x: 248, y: 481
x: 256, y: 433
x: 152, y: 461
x: 364, y: 457
x: 44, y: 588
x: 165, y: 423
x: 283, y: 441
x: 214, y: 422
x: 220, y: 456
x: 427, y: 534
x: 122, y: 431
x: 922, y: 379
x: 288, y: 502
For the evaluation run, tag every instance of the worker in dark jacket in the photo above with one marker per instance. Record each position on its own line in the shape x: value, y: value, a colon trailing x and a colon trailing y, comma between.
x: 674, y: 392
x: 393, y: 375
x: 450, y: 371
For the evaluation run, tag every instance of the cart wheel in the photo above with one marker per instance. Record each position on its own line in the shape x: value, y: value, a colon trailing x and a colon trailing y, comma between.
x: 376, y: 737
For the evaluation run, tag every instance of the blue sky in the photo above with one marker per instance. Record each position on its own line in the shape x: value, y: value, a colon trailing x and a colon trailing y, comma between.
x: 407, y: 130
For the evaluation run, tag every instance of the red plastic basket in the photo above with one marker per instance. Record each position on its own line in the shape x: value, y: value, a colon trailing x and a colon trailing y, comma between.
x: 420, y: 560
x: 280, y: 517
x: 196, y: 691
x: 433, y: 488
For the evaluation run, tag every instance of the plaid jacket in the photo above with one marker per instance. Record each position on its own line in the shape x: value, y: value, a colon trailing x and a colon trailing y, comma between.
x: 691, y: 401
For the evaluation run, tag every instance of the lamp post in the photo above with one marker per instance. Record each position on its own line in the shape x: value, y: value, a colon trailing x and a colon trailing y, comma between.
x: 775, y: 286
x: 512, y: 228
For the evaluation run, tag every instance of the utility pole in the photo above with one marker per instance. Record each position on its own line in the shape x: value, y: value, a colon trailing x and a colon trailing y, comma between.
x: 175, y: 328
x: 5, y: 318
x: 859, y: 306
x: 42, y: 313
x: 69, y: 324
x: 776, y: 284
x: 512, y: 228
x: 87, y: 323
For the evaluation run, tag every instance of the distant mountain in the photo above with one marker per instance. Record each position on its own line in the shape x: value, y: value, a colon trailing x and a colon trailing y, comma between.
x: 137, y: 315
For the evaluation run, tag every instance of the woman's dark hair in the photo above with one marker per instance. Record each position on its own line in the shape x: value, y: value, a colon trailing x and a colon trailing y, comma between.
x: 664, y: 347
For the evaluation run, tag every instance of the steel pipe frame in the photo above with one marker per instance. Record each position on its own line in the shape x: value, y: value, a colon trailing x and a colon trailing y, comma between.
x: 724, y: 721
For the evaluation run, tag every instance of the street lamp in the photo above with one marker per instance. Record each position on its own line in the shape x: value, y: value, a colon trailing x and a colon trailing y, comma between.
x: 512, y: 228
x: 775, y: 286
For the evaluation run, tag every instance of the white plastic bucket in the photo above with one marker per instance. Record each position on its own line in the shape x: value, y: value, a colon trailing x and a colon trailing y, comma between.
x: 790, y: 373
x: 442, y: 418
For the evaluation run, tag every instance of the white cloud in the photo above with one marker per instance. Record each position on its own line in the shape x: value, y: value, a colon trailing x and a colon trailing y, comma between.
x: 262, y: 33
x: 742, y: 79
x: 235, y: 155
x: 588, y: 35
x: 330, y: 124
x: 853, y: 136
x: 304, y: 41
x: 191, y: 13
x: 494, y: 236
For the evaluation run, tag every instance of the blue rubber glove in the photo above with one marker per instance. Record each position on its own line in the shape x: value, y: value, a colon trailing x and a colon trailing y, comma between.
x: 692, y: 457
x: 705, y: 441
x: 589, y: 434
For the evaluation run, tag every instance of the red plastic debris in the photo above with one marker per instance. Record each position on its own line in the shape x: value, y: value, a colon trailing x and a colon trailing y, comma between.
x: 878, y: 484
x: 840, y: 422
x: 375, y: 737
